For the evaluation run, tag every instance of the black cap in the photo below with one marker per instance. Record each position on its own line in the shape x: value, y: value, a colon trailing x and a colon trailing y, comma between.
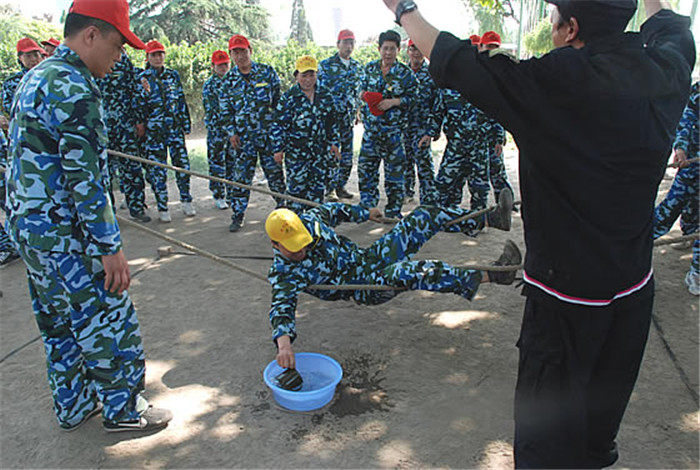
x: 598, y: 17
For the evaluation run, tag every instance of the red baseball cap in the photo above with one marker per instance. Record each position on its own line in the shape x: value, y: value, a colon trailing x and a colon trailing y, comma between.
x: 51, y: 42
x: 475, y: 39
x: 373, y: 98
x: 238, y: 41
x: 490, y: 37
x: 220, y: 57
x: 154, y: 46
x: 410, y: 43
x: 346, y: 34
x: 114, y: 12
x: 25, y: 45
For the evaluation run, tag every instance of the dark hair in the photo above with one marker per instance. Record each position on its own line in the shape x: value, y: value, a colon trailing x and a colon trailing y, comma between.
x: 390, y: 35
x: 76, y: 23
x: 597, y: 18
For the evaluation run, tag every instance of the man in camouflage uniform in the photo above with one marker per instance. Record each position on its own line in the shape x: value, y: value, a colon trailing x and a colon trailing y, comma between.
x: 385, y: 125
x: 309, y: 252
x: 120, y: 93
x: 683, y: 199
x: 342, y: 75
x: 62, y: 222
x: 249, y: 96
x: 305, y: 135
x: 8, y: 253
x: 167, y: 121
x: 50, y: 46
x: 417, y: 137
x: 217, y: 141
x: 29, y: 54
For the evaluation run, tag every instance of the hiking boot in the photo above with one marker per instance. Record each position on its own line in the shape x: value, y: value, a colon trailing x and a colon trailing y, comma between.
x: 692, y: 280
x: 188, y: 209
x: 235, y: 225
x: 8, y: 257
x: 510, y: 257
x: 149, y: 420
x: 342, y: 193
x: 142, y: 217
x: 221, y: 204
x: 502, y: 216
x: 94, y: 412
x: 164, y: 216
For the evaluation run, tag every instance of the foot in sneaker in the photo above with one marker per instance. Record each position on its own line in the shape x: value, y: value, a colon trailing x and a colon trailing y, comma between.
x: 149, y: 420
x: 692, y: 280
x: 221, y: 204
x: 164, y: 216
x: 331, y: 197
x: 142, y: 217
x: 97, y: 410
x: 510, y: 257
x: 8, y: 257
x: 188, y: 209
x: 342, y: 193
x: 502, y: 216
x: 235, y: 225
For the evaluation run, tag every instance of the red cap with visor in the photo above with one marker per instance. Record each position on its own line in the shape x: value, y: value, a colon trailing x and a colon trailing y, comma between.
x: 346, y: 34
x: 238, y: 41
x: 220, y: 57
x: 154, y: 46
x: 490, y: 37
x: 25, y: 45
x: 114, y: 12
x: 51, y: 42
x: 475, y: 39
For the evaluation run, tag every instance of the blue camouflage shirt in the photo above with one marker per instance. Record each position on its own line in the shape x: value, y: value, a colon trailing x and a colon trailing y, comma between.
x: 164, y: 106
x: 8, y: 89
x: 212, y: 109
x: 458, y: 118
x: 344, y: 82
x: 56, y: 186
x: 120, y: 96
x: 426, y: 103
x: 398, y: 83
x: 688, y: 134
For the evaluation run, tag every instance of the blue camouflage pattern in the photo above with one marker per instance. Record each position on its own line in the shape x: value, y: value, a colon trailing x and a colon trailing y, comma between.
x: 344, y: 83
x: 5, y: 242
x: 9, y: 86
x: 218, y: 146
x: 305, y: 132
x: 167, y: 119
x: 496, y: 135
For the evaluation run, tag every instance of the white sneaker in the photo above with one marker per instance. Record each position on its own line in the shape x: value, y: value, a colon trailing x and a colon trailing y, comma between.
x: 188, y: 209
x: 692, y: 280
x: 221, y: 204
x: 164, y: 216
x: 331, y: 196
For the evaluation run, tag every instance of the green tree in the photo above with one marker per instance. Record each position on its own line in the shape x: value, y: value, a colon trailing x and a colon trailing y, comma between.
x: 539, y: 41
x: 300, y: 28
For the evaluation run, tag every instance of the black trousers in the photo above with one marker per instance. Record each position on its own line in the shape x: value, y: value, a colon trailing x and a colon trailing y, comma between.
x: 578, y: 366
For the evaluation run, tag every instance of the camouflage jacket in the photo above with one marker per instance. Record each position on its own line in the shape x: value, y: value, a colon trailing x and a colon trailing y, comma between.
x: 399, y: 83
x: 164, y: 107
x: 210, y: 99
x: 8, y: 89
x: 248, y: 104
x: 331, y: 259
x: 344, y: 83
x: 688, y: 134
x: 120, y: 96
x: 458, y: 118
x: 304, y: 126
x: 427, y: 102
x: 56, y: 186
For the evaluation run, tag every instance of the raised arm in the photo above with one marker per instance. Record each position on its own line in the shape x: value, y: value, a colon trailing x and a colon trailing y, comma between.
x: 419, y: 30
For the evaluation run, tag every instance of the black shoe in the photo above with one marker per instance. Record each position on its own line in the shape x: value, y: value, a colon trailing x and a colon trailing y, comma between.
x: 290, y: 379
x: 342, y: 193
x: 142, y: 217
x: 8, y: 257
x: 235, y: 225
x: 502, y: 216
x: 149, y: 420
x: 97, y: 410
x: 510, y: 257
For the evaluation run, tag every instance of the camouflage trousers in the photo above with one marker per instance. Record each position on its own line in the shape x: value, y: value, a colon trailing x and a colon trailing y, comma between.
x: 376, y: 148
x: 242, y: 171
x: 463, y: 161
x: 340, y: 170
x: 387, y: 261
x: 306, y: 176
x: 422, y: 159
x: 497, y: 173
x: 157, y: 148
x: 128, y: 172
x: 218, y: 151
x: 682, y: 200
x: 91, y: 337
x: 5, y: 242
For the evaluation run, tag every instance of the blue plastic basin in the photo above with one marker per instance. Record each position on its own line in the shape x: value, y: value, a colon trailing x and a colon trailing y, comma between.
x: 321, y: 375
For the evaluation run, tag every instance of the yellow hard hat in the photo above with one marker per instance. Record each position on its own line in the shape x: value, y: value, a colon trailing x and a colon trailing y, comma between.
x: 306, y: 63
x: 285, y: 227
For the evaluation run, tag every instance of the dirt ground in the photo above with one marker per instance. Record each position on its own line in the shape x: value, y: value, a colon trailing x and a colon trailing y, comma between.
x: 428, y: 382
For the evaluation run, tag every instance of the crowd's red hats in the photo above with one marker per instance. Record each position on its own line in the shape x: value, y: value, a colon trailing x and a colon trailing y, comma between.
x: 220, y: 57
x: 346, y: 34
x: 475, y: 39
x: 410, y: 43
x: 51, y: 42
x: 490, y: 37
x: 238, y: 41
x: 372, y: 98
x: 25, y: 45
x: 114, y: 12
x: 154, y: 46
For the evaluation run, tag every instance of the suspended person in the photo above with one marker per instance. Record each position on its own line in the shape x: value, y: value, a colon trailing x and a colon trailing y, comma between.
x: 167, y: 122
x: 342, y: 75
x: 218, y: 146
x: 120, y: 99
x: 309, y: 252
x: 594, y: 121
x: 62, y: 222
x: 29, y: 55
x: 249, y: 97
x: 305, y: 135
x: 385, y: 123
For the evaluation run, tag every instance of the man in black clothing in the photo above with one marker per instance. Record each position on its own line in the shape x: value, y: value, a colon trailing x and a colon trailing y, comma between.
x: 594, y: 122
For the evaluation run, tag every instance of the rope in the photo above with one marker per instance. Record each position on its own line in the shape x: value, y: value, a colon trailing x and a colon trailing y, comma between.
x: 676, y: 165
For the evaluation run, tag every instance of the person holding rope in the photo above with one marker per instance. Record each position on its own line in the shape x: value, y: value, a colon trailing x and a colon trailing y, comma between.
x: 62, y: 222
x: 309, y: 252
x: 594, y: 121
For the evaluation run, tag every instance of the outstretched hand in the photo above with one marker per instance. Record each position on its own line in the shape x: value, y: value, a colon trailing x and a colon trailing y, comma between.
x: 285, y: 354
